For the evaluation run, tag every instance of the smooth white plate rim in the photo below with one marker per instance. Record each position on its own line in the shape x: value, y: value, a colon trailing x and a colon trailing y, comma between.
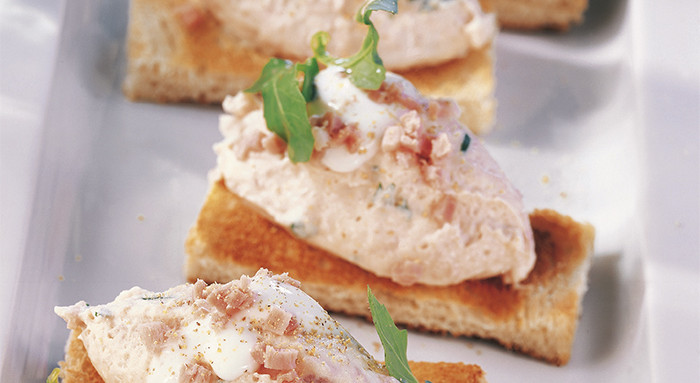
x: 56, y: 203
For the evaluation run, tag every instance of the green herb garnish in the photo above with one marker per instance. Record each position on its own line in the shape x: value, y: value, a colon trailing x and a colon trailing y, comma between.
x: 393, y: 340
x: 284, y: 103
x: 154, y: 297
x: 300, y: 230
x: 365, y: 68
x: 285, y: 96
x: 53, y: 377
x: 465, y: 143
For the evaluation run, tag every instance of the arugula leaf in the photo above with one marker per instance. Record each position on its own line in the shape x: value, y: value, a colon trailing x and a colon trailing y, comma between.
x: 376, y: 5
x: 284, y: 104
x: 365, y: 68
x: 310, y: 70
x: 393, y: 340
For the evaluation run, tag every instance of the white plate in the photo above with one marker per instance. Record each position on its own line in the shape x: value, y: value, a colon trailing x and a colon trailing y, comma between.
x: 121, y: 183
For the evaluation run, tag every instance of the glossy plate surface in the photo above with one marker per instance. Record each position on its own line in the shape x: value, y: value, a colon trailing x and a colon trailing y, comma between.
x: 121, y: 183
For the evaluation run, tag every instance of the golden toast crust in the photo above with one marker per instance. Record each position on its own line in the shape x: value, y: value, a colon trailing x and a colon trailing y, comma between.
x: 442, y: 372
x: 177, y: 52
x: 77, y: 367
x: 537, y: 317
x: 557, y: 15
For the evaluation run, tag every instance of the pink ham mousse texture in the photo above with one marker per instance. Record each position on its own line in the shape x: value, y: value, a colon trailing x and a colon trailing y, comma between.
x: 396, y: 185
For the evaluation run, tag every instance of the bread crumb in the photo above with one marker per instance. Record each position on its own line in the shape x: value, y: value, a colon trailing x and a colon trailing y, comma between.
x: 545, y: 179
x: 563, y: 194
x: 61, y: 278
x: 78, y: 258
x: 377, y: 346
x: 140, y: 217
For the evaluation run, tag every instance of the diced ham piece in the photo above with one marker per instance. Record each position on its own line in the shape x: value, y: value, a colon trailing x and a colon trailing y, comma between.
x: 154, y: 335
x: 321, y: 138
x: 293, y: 325
x: 392, y: 93
x: 258, y: 353
x: 410, y: 143
x: 391, y: 138
x: 288, y: 377
x: 198, y: 289
x: 280, y: 359
x: 338, y: 132
x: 412, y: 137
x: 440, y: 147
x: 195, y: 371
x: 274, y: 144
x: 450, y: 205
x: 411, y: 123
x: 431, y: 173
x: 231, y: 297
x: 285, y: 278
x: 277, y: 320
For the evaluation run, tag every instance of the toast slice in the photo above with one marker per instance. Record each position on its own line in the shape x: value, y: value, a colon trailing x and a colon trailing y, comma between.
x: 177, y: 52
x: 539, y: 317
x: 539, y: 14
x: 77, y: 367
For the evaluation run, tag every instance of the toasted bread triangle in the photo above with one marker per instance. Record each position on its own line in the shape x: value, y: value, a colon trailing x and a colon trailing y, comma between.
x: 538, y: 317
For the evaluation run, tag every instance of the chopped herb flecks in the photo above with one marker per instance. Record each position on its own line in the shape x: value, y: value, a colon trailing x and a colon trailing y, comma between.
x: 155, y: 297
x: 465, y: 143
x: 301, y: 230
x: 388, y: 197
